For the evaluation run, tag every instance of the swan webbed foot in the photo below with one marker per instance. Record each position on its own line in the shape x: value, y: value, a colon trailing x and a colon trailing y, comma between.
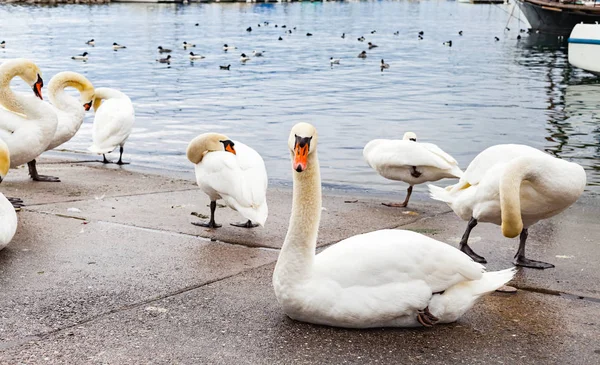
x: 122, y: 163
x: 46, y: 178
x: 247, y: 224
x: 395, y: 205
x: 404, y: 203
x: 534, y: 264
x: 467, y: 249
x: 104, y: 160
x: 210, y: 224
x: 37, y: 177
x: 17, y: 203
x: 425, y: 318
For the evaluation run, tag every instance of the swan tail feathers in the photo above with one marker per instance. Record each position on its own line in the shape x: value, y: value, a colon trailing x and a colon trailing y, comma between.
x: 455, y: 301
x: 257, y: 214
x: 441, y: 194
x: 456, y: 171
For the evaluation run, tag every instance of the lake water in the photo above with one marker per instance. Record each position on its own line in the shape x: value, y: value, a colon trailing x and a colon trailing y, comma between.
x: 478, y: 93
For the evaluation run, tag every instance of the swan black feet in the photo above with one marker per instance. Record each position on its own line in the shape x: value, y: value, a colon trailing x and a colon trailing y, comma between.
x: 247, y: 224
x: 210, y: 224
x: 414, y: 173
x: 425, y: 318
x: 37, y: 177
x: 17, y: 203
x: 534, y: 264
x: 466, y: 249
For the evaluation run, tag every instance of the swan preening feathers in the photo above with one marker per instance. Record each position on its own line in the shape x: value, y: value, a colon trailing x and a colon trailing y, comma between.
x: 513, y: 186
x: 387, y: 278
x: 231, y: 171
x: 410, y: 161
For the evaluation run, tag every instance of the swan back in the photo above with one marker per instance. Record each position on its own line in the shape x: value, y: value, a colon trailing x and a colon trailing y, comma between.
x: 8, y: 217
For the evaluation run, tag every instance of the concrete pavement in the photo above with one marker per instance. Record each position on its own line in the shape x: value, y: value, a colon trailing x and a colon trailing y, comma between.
x: 106, y: 268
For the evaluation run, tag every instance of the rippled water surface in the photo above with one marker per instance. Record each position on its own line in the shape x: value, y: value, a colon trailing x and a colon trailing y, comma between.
x: 465, y: 98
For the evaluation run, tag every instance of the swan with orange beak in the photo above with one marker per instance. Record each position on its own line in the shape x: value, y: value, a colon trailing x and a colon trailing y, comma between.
x: 231, y: 171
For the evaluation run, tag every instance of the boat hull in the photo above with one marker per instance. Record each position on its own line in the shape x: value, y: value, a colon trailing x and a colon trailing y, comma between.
x: 584, y: 47
x: 553, y: 19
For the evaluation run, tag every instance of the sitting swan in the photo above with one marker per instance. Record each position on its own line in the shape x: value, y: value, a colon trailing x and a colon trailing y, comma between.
x: 231, y: 171
x: 514, y: 186
x: 387, y: 278
x: 409, y: 161
x: 69, y: 111
x: 28, y: 124
x: 8, y: 217
x: 113, y: 122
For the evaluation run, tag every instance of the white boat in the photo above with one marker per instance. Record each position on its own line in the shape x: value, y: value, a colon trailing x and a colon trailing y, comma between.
x: 584, y: 47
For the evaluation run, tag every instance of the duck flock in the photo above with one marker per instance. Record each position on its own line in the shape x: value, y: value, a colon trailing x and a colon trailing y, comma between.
x: 385, y: 278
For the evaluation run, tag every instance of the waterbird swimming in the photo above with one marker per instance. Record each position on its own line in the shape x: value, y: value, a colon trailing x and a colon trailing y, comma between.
x: 384, y: 65
x: 244, y: 58
x: 334, y: 61
x: 3, y: 44
x: 371, y: 45
x: 164, y: 60
x: 421, y: 33
x: 82, y: 57
x: 249, y: 29
x: 163, y: 50
x: 447, y: 43
x: 361, y: 39
x: 195, y: 56
x: 280, y: 39
x: 420, y: 37
x: 224, y: 67
x: 91, y: 42
x: 116, y: 46
x: 343, y: 35
x: 187, y: 45
x: 362, y: 54
x: 257, y: 53
x: 397, y: 32
x: 227, y: 48
x: 309, y: 34
x: 496, y: 39
x: 460, y: 32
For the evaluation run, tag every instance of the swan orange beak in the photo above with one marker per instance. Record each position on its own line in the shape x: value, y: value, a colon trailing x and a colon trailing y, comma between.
x: 300, y: 157
x: 229, y: 148
x: 37, y: 87
x: 87, y: 106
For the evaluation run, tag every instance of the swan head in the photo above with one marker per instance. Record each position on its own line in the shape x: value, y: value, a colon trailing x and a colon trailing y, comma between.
x: 206, y: 143
x: 4, y: 160
x: 77, y: 81
x: 27, y: 71
x: 302, y: 142
x: 410, y: 136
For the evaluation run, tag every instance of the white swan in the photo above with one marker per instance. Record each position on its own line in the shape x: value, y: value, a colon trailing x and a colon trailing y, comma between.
x: 513, y: 186
x: 231, y: 171
x: 113, y: 122
x: 28, y: 124
x: 387, y: 278
x: 69, y: 111
x: 409, y: 161
x: 8, y: 217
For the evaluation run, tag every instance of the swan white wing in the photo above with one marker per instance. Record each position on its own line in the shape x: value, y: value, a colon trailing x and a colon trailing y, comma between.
x: 9, y: 123
x: 394, y: 153
x: 383, y: 257
x: 491, y: 156
x: 438, y: 151
x: 243, y: 189
x: 112, y: 124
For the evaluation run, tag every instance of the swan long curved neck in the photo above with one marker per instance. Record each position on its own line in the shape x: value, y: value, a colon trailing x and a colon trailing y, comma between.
x: 8, y: 98
x: 103, y: 93
x: 547, y: 175
x: 298, y: 251
x: 60, y: 99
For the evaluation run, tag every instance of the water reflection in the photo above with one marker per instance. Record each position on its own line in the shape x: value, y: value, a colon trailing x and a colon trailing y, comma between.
x: 464, y: 98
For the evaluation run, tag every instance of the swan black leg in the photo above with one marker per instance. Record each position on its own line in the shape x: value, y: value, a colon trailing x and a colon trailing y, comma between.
x: 120, y: 162
x: 37, y: 177
x: 403, y: 204
x: 104, y: 160
x: 247, y: 224
x: 464, y: 243
x: 211, y: 223
x: 521, y: 260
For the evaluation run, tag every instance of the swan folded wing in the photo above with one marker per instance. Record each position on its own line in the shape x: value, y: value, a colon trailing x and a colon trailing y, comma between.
x: 388, y: 256
x: 405, y: 153
x: 438, y: 151
x: 112, y: 124
x: 221, y: 172
x: 254, y: 170
x: 9, y: 123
